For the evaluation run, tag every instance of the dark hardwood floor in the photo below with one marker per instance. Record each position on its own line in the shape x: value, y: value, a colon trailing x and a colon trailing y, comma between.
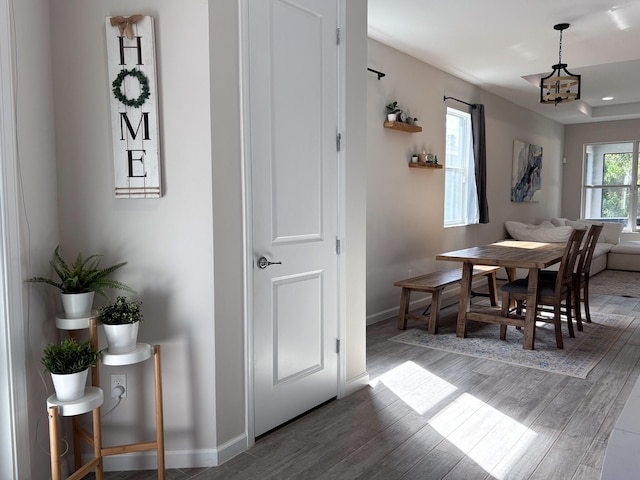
x: 428, y: 414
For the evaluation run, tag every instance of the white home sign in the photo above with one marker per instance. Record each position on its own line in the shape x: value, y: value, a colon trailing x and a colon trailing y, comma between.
x: 134, y: 106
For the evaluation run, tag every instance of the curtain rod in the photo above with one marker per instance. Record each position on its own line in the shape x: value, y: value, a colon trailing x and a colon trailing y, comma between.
x: 453, y: 98
x: 380, y: 74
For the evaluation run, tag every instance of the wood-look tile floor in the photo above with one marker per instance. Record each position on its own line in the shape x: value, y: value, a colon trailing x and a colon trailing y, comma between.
x: 434, y: 415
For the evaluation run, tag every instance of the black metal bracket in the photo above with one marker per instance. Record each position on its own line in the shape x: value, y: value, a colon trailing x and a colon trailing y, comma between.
x: 380, y: 74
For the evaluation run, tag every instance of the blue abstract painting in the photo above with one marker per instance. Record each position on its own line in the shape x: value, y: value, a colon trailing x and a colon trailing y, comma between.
x: 526, y: 177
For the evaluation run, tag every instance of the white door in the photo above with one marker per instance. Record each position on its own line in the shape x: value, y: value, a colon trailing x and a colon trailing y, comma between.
x: 293, y: 104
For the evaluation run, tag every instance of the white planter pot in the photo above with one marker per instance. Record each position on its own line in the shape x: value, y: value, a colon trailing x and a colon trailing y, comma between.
x: 69, y: 386
x: 77, y: 305
x: 121, y: 338
x: 392, y: 117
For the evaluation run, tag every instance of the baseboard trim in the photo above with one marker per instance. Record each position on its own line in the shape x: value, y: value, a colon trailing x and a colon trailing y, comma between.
x: 176, y: 458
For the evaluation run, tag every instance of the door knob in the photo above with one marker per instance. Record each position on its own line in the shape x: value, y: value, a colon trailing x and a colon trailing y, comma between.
x: 264, y: 263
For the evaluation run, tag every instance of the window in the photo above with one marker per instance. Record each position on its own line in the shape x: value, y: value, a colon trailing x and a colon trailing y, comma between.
x: 610, y: 188
x: 460, y: 196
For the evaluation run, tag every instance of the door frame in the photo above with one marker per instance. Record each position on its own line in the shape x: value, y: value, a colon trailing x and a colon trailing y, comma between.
x: 247, y: 215
x: 14, y: 422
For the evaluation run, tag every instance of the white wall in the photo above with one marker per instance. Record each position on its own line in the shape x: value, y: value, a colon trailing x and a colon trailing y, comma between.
x: 576, y: 136
x: 184, y: 250
x: 38, y: 214
x: 168, y: 242
x: 405, y: 206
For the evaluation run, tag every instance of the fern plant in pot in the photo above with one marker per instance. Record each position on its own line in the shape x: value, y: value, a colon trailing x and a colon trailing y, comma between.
x: 121, y: 320
x: 68, y: 362
x: 79, y: 280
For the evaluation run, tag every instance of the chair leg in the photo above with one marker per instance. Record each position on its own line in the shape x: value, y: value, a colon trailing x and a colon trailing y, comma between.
x: 576, y: 303
x: 585, y: 299
x: 557, y: 328
x: 506, y: 299
x: 568, y: 308
x: 503, y: 332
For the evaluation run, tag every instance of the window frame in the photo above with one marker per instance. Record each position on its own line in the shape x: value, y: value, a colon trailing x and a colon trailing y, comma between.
x: 467, y: 170
x: 632, y: 188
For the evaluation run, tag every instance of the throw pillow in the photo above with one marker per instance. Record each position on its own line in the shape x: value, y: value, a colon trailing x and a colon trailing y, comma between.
x: 610, y: 231
x: 559, y: 222
x: 545, y: 232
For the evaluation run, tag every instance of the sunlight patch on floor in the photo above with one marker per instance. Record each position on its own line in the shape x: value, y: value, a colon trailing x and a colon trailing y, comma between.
x: 488, y: 437
x: 417, y: 387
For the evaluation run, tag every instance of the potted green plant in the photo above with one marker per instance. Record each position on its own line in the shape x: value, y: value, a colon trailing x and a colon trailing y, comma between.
x: 68, y: 362
x: 121, y: 320
x: 79, y: 280
x: 394, y: 112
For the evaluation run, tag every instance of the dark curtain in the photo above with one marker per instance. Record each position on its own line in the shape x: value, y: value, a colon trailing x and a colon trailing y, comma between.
x: 480, y: 156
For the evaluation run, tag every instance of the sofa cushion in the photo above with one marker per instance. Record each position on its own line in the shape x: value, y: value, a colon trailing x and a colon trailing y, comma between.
x: 559, y: 222
x: 545, y: 232
x: 603, y: 249
x: 610, y: 231
x: 630, y: 247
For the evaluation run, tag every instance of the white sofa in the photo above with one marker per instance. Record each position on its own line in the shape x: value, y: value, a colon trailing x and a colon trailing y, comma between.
x: 626, y: 255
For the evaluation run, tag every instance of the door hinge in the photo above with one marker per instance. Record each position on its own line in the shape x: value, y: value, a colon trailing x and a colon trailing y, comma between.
x: 337, y: 345
x: 337, y: 246
x: 337, y: 36
x: 338, y: 141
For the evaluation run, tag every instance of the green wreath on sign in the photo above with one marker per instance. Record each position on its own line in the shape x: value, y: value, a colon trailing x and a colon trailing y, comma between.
x: 144, y: 88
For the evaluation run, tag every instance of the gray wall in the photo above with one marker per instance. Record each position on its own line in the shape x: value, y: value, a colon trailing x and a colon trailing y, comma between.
x: 405, y: 206
x: 576, y: 136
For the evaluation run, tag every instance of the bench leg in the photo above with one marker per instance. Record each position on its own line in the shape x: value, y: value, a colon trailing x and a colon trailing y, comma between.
x: 405, y: 296
x: 434, y: 315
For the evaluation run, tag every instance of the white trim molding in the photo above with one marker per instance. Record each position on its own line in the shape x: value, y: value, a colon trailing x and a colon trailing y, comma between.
x: 14, y: 421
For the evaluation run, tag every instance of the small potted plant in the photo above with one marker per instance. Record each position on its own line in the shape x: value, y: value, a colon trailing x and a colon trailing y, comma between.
x: 79, y: 280
x: 121, y: 320
x: 395, y: 113
x: 68, y: 362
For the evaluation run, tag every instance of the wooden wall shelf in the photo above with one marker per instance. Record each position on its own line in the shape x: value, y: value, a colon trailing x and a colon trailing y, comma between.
x: 403, y: 127
x: 425, y: 165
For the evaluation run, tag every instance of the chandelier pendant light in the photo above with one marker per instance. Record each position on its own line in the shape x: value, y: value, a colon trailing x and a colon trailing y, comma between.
x: 560, y: 86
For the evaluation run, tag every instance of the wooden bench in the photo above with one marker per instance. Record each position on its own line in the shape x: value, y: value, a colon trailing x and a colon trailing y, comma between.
x: 434, y: 283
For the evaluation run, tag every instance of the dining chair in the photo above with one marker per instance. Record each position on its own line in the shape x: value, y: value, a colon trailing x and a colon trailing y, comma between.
x: 549, y: 293
x: 581, y: 275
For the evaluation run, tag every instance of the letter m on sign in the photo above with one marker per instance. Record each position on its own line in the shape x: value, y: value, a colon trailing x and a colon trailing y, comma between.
x: 133, y: 96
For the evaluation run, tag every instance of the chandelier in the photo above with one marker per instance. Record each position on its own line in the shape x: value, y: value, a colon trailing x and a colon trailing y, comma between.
x: 560, y: 86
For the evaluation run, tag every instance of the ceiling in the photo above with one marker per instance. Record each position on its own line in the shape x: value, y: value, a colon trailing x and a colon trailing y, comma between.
x: 505, y: 46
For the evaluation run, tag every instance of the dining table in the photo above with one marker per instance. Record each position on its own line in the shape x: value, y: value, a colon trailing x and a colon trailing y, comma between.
x: 510, y: 254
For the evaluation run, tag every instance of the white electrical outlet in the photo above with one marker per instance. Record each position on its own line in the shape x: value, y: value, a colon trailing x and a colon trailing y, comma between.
x: 118, y: 380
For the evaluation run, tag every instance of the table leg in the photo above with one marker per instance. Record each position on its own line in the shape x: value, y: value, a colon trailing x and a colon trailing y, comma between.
x: 465, y: 299
x: 529, y: 340
x: 511, y: 276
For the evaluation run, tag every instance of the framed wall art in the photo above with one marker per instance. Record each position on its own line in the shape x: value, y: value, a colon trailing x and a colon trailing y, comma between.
x: 526, y: 174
